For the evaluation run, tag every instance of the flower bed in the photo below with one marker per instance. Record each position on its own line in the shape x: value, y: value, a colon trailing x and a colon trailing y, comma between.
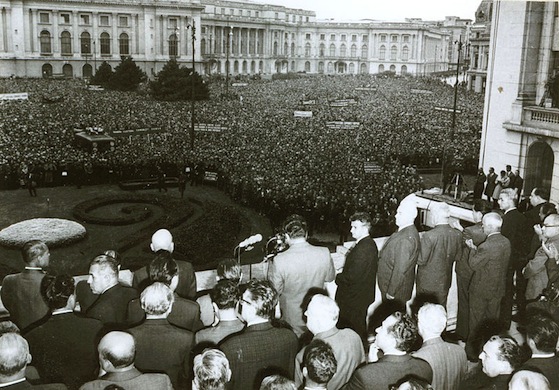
x: 54, y: 232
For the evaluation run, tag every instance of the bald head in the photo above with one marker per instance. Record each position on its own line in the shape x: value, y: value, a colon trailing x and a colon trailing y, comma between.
x: 116, y: 351
x: 492, y: 223
x: 14, y: 357
x: 162, y: 240
x: 406, y: 212
x: 440, y: 212
x: 322, y: 314
x: 431, y: 320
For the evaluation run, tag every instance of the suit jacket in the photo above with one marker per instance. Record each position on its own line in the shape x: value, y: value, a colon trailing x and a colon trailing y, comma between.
x: 476, y: 234
x: 490, y: 187
x: 110, y: 307
x: 294, y: 272
x: 535, y: 271
x: 547, y: 366
x: 184, y: 314
x: 26, y: 385
x: 163, y: 347
x: 397, y: 261
x: 64, y: 348
x: 440, y: 248
x: 21, y: 296
x: 258, y: 348
x: 349, y: 353
x: 448, y: 362
x: 187, y: 279
x: 131, y: 379
x: 517, y: 230
x: 215, y: 334
x: 387, y: 371
x: 490, y: 264
x: 356, y: 283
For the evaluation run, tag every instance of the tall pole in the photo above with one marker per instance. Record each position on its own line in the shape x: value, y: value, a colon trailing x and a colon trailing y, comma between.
x: 193, y: 30
x: 460, y: 44
x: 229, y: 34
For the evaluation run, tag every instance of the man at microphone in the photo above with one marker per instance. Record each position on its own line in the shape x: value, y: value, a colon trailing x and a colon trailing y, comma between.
x: 298, y: 269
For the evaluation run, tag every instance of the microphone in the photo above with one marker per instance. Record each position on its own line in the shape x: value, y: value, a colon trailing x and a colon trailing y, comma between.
x: 251, y: 241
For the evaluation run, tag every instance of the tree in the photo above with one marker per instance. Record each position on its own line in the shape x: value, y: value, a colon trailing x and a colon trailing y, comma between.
x: 175, y: 83
x: 103, y: 74
x: 127, y: 75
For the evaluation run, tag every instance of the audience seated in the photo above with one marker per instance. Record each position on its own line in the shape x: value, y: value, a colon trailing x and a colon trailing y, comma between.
x: 63, y: 345
x: 185, y: 313
x: 111, y: 305
x: 14, y: 357
x: 261, y: 346
x: 21, y: 292
x: 116, y: 359
x: 211, y: 370
x: 160, y: 346
x: 225, y: 297
x: 31, y: 373
x: 162, y: 240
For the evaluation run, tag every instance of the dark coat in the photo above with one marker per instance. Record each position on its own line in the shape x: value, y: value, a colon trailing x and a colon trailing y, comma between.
x: 184, y: 314
x: 187, y: 279
x: 111, y: 306
x: 490, y: 264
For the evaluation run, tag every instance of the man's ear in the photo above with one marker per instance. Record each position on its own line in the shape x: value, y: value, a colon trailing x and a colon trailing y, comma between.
x: 228, y: 375
x: 29, y: 358
x: 151, y: 247
x: 305, y: 372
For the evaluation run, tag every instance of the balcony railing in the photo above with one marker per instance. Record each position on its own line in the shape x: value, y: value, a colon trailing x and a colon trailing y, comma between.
x: 540, y: 117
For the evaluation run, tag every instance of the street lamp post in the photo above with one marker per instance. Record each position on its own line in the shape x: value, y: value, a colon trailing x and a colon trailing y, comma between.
x: 228, y: 43
x: 193, y: 31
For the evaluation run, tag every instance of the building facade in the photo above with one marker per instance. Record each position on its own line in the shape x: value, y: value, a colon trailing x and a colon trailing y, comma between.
x: 479, y: 47
x: 71, y: 38
x: 521, y: 121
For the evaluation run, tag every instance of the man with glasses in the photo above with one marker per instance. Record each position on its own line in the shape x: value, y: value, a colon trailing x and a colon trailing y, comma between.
x: 489, y: 264
x: 261, y: 345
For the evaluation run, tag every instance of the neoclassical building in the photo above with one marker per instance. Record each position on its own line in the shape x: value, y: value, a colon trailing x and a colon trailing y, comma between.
x: 521, y: 121
x: 70, y: 38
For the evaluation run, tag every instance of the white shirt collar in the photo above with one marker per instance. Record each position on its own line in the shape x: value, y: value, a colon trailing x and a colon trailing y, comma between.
x: 12, y: 382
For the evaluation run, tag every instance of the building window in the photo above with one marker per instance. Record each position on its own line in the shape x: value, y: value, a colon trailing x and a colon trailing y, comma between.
x: 307, y: 19
x: 321, y: 50
x: 277, y: 15
x: 174, y: 23
x: 44, y: 39
x: 223, y: 11
x: 354, y: 38
x: 123, y: 21
x: 307, y: 66
x: 394, y: 38
x: 406, y: 38
x: 382, y: 53
x: 393, y: 53
x: 44, y: 18
x: 321, y: 67
x: 308, y: 49
x: 343, y: 38
x: 173, y: 45
x: 332, y: 37
x: 249, y: 13
x: 85, y: 20
x: 276, y: 35
x: 364, y: 51
x: 292, y: 49
x: 85, y: 43
x: 343, y: 50
x: 405, y: 53
x: 105, y: 43
x: 383, y: 38
x: 286, y: 18
x: 203, y: 29
x: 64, y: 18
x: 307, y: 36
x: 286, y: 36
x: 353, y: 50
x: 231, y: 11
x: 257, y: 14
x: 332, y: 50
x: 240, y: 12
x: 65, y: 43
x: 322, y: 37
x: 365, y: 38
x: 104, y: 20
x: 124, y: 44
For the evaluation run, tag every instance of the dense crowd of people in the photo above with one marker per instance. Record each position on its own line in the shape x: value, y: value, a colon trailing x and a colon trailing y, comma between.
x: 265, y: 156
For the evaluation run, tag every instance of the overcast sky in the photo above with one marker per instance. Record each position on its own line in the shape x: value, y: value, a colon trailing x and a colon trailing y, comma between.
x: 392, y: 10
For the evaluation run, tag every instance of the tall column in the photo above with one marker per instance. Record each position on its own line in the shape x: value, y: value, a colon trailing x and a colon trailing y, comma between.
x: 76, y: 47
x: 34, y: 38
x: 115, y: 49
x: 55, y: 37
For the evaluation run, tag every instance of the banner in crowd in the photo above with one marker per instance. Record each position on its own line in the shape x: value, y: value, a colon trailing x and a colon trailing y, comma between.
x: 240, y: 84
x: 210, y: 127
x: 144, y: 131
x: 372, y: 167
x: 308, y: 102
x: 366, y: 88
x: 448, y: 109
x: 342, y: 102
x: 14, y: 96
x: 95, y: 88
x: 210, y: 176
x: 421, y: 91
x: 343, y: 125
x: 302, y: 114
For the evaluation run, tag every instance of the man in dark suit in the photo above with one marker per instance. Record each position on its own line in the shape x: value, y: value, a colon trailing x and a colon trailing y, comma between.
x: 542, y: 333
x: 538, y: 197
x: 357, y: 282
x: 21, y: 292
x: 490, y: 187
x: 440, y: 248
x: 160, y: 346
x: 298, y: 269
x: 64, y: 345
x: 111, y: 305
x: 261, y: 347
x: 184, y: 313
x: 14, y: 358
x: 162, y: 240
x: 116, y: 358
x: 399, y: 255
x: 487, y: 286
x: 516, y: 229
x: 396, y: 338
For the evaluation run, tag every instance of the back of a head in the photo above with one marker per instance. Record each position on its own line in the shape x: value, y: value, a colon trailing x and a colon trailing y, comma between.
x: 548, y: 209
x: 528, y: 380
x: 408, y: 207
x: 441, y: 212
x: 225, y: 294
x: 320, y: 362
x: 265, y: 297
x: 157, y: 299
x: 493, y: 221
x: 14, y: 354
x: 8, y: 327
x: 509, y: 193
x: 163, y: 268
x: 413, y: 383
x: 118, y: 348
x: 211, y: 370
x: 162, y: 240
x: 107, y: 264
x: 542, y: 193
x: 482, y: 205
x: 277, y: 382
x: 543, y: 331
x: 115, y: 255
x: 229, y: 269
x: 32, y: 251
x: 56, y: 290
x: 509, y: 351
x: 326, y: 308
x: 404, y: 331
x: 295, y: 226
x: 431, y: 320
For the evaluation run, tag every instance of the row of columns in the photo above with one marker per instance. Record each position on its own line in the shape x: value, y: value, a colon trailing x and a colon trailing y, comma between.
x: 242, y: 41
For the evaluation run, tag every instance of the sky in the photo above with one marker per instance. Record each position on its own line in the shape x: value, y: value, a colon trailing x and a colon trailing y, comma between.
x: 388, y: 10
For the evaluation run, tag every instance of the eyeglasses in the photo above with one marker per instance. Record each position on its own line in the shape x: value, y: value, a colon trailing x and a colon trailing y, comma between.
x: 247, y: 302
x: 548, y: 226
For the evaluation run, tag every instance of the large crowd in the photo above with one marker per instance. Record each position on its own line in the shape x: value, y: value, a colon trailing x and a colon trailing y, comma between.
x: 266, y: 157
